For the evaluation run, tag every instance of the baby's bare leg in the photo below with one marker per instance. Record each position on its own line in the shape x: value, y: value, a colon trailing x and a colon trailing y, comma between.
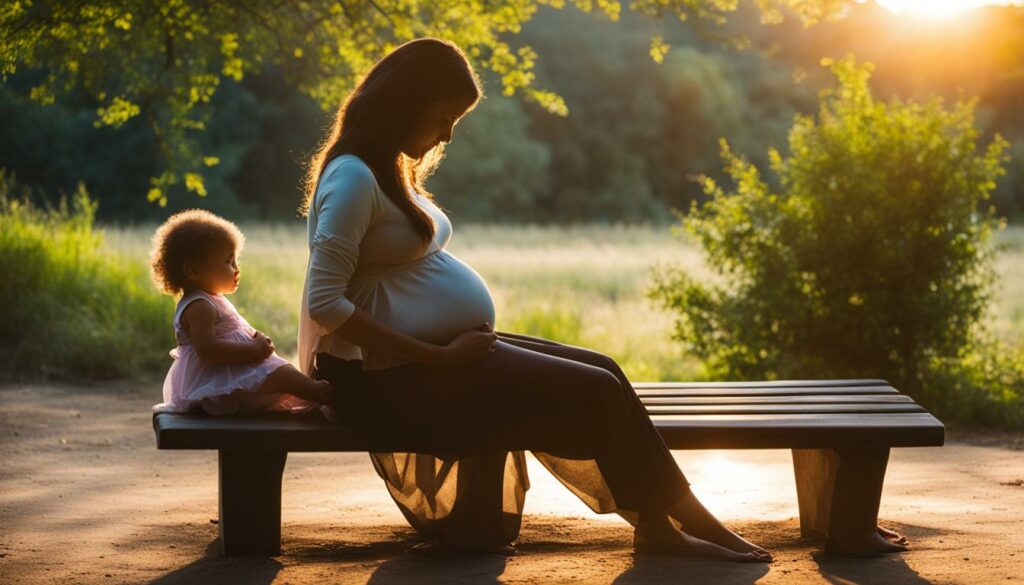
x: 288, y: 380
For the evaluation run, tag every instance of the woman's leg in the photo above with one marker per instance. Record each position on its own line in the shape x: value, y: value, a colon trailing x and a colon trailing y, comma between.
x: 512, y: 399
x: 518, y: 399
x: 692, y: 516
x: 689, y: 512
x: 651, y: 443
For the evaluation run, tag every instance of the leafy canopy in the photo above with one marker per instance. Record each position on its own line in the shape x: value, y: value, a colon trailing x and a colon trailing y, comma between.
x: 871, y: 260
x: 165, y: 60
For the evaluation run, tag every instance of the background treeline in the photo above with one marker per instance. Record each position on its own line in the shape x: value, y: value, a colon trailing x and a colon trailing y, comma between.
x: 637, y: 134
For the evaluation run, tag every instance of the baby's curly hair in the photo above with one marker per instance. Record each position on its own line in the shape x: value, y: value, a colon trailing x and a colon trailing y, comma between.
x: 187, y: 235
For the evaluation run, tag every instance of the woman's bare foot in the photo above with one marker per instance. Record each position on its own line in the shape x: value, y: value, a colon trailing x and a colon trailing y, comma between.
x: 672, y: 542
x: 697, y: 521
x: 892, y: 536
x: 735, y: 542
x: 872, y: 545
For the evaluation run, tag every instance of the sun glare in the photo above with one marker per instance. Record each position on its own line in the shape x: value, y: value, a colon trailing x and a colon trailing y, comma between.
x: 938, y: 9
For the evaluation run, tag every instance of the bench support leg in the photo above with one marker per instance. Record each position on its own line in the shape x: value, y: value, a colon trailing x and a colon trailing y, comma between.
x: 839, y: 491
x: 250, y: 501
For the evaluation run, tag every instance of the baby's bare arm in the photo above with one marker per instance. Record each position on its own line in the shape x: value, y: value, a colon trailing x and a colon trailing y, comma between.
x: 200, y: 317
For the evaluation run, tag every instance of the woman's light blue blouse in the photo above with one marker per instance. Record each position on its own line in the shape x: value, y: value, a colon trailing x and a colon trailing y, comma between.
x: 364, y: 252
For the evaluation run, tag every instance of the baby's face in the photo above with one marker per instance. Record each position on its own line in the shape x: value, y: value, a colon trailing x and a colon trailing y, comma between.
x: 219, y: 272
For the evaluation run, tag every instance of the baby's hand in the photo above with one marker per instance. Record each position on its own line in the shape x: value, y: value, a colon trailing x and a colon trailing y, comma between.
x: 263, y: 344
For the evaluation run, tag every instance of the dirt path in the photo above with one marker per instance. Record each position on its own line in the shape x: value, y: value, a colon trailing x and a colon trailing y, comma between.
x: 86, y: 498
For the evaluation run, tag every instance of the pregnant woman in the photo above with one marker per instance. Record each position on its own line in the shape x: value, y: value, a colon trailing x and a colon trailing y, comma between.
x: 403, y: 331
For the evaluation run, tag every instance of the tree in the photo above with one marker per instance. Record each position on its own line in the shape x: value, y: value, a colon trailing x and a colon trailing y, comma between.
x: 163, y: 61
x: 873, y: 259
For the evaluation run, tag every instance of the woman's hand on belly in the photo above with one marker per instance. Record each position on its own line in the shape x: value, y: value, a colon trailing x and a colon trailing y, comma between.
x: 469, y: 346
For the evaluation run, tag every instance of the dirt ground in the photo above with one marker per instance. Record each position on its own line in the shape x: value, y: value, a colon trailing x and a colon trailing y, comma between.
x: 85, y: 497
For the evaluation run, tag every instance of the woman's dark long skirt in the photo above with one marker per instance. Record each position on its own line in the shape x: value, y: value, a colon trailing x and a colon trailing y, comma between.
x: 449, y: 440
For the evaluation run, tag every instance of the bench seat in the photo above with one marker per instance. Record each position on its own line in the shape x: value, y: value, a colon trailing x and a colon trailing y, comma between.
x: 840, y: 432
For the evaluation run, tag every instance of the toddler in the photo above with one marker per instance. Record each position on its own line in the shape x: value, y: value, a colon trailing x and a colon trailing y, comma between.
x: 221, y: 364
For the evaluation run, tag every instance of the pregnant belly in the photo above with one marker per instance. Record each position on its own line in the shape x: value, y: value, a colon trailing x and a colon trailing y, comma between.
x: 438, y: 299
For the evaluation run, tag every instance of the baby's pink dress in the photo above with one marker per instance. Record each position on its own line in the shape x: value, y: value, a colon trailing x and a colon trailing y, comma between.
x: 194, y: 383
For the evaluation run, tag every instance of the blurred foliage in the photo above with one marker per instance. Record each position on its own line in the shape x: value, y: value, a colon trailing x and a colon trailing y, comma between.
x: 640, y: 131
x: 68, y: 309
x: 164, y: 61
x: 494, y: 169
x: 871, y: 260
x: 564, y: 324
x: 56, y: 147
x: 638, y: 134
x: 983, y: 386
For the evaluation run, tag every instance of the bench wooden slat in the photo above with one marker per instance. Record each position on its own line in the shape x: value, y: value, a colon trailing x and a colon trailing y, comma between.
x: 764, y: 384
x: 279, y: 432
x: 783, y: 421
x: 304, y: 433
x: 798, y: 399
x: 780, y: 408
x: 800, y: 431
x: 761, y: 390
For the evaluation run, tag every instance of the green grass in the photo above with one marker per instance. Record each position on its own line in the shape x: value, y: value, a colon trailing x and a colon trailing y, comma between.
x: 78, y: 303
x: 1007, y: 316
x: 577, y: 285
x: 69, y: 308
x: 581, y: 285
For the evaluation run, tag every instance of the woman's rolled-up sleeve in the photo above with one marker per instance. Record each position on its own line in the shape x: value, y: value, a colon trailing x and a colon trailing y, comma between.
x: 345, y: 204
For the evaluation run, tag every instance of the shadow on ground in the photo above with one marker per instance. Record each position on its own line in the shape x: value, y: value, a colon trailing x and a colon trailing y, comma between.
x: 389, y: 554
x: 886, y: 569
x: 214, y: 567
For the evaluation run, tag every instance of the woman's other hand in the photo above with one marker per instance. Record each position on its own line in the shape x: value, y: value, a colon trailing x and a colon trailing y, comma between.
x: 470, y: 346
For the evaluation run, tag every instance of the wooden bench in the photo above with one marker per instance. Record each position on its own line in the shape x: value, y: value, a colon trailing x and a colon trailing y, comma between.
x: 840, y: 432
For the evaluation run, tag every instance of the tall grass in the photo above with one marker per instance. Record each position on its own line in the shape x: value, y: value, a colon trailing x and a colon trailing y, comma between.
x: 584, y: 285
x: 581, y: 285
x: 78, y: 302
x: 578, y: 285
x: 1007, y: 316
x: 69, y: 308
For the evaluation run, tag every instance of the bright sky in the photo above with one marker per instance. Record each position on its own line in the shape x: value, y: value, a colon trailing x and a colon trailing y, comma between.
x: 938, y: 8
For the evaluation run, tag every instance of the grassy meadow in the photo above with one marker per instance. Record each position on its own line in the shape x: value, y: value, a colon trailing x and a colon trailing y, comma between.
x: 582, y: 285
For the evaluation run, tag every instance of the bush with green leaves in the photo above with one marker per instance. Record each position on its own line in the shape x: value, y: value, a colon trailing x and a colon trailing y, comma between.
x: 68, y: 310
x: 872, y: 258
x: 983, y: 385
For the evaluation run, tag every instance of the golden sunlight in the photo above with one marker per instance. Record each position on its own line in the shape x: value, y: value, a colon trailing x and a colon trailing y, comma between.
x: 730, y: 483
x: 939, y: 9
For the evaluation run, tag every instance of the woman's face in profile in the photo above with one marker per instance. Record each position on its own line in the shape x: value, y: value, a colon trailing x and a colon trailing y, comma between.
x: 434, y: 126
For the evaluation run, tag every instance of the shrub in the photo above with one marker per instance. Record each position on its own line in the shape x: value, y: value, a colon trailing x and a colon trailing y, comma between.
x: 872, y: 259
x: 984, y: 385
x: 66, y: 310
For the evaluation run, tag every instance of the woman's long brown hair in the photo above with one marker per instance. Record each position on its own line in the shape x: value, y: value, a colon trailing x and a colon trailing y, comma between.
x: 378, y: 115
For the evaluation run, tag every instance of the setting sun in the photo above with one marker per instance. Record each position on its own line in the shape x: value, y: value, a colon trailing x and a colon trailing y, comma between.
x: 938, y: 9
